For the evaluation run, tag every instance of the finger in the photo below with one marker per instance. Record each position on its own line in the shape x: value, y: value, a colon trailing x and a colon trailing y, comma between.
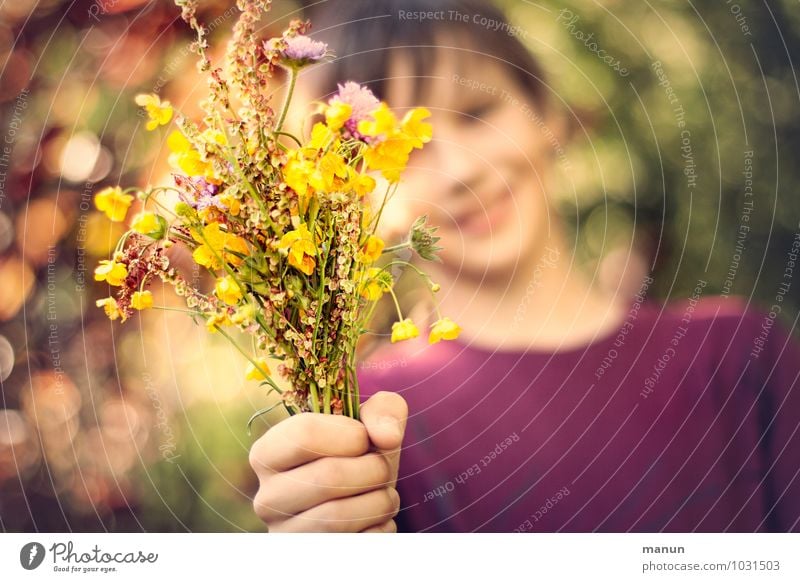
x: 386, y: 527
x: 306, y: 437
x: 320, y: 481
x: 351, y: 514
x: 385, y: 416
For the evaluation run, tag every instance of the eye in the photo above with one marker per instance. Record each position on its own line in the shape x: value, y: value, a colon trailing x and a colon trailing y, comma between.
x: 475, y: 113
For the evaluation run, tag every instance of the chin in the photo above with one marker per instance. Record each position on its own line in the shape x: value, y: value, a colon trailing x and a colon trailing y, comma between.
x: 492, y: 258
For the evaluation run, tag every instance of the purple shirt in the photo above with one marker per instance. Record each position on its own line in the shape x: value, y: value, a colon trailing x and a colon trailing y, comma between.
x: 685, y: 419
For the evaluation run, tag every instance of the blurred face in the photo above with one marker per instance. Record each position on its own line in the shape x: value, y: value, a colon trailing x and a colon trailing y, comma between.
x: 482, y: 177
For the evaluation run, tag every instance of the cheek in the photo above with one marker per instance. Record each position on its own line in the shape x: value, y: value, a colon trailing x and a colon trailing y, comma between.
x: 422, y: 192
x: 508, y: 244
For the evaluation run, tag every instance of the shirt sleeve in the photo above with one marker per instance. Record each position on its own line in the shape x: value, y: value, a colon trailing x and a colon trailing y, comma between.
x: 774, y: 374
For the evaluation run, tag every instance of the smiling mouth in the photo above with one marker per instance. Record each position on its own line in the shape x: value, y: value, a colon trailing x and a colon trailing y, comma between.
x: 484, y: 219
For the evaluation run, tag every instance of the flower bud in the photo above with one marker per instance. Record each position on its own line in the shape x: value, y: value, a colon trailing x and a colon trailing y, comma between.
x: 423, y: 239
x: 183, y: 209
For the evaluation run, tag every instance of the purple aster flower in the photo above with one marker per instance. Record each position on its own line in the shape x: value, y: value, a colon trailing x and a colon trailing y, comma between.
x: 206, y: 187
x: 301, y: 50
x: 362, y: 101
x: 199, y: 193
x: 207, y: 195
x: 208, y: 200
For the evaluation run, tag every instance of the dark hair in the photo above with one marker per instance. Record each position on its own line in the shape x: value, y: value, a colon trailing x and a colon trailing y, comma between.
x: 366, y: 34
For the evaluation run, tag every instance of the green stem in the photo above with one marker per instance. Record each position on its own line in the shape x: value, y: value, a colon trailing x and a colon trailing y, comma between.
x: 189, y: 311
x: 396, y: 304
x: 373, y: 225
x: 398, y: 247
x: 241, y: 351
x: 321, y: 292
x: 425, y: 276
x: 312, y: 388
x: 178, y: 236
x: 297, y: 141
x: 121, y: 242
x: 352, y: 390
x: 420, y: 272
x: 287, y: 101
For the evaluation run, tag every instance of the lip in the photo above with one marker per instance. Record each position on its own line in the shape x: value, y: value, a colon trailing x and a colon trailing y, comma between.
x: 485, y: 219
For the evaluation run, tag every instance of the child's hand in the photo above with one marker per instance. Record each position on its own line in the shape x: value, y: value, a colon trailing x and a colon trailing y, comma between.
x: 322, y: 472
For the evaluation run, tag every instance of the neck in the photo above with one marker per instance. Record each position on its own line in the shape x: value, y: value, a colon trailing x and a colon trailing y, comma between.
x: 547, y: 304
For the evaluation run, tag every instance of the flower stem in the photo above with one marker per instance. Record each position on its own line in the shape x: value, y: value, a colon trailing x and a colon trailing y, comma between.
x: 396, y: 304
x: 352, y: 390
x: 312, y: 388
x: 297, y: 141
x: 189, y: 311
x: 292, y: 81
x: 398, y: 247
x: 241, y: 351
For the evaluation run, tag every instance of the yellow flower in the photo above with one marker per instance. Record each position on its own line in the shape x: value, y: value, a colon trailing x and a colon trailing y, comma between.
x: 444, y: 329
x: 390, y: 157
x: 233, y: 204
x: 142, y: 300
x: 302, y: 249
x: 228, y: 290
x: 144, y: 222
x: 375, y: 283
x: 321, y: 137
x: 329, y: 167
x: 404, y: 330
x: 109, y: 305
x: 216, y: 244
x: 297, y: 171
x: 214, y: 137
x: 336, y: 114
x: 412, y: 126
x: 112, y: 272
x: 235, y: 244
x: 216, y: 320
x: 244, y: 314
x: 372, y: 249
x: 260, y: 371
x: 361, y: 184
x: 159, y: 112
x: 383, y: 122
x: 186, y: 158
x: 113, y: 203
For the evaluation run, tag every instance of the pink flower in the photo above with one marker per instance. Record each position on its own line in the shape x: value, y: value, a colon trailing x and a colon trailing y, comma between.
x: 362, y: 101
x: 302, y: 50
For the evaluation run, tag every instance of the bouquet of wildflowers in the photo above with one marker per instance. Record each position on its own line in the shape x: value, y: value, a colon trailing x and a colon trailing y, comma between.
x: 285, y: 224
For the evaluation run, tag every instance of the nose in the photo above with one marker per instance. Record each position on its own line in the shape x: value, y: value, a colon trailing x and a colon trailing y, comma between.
x: 454, y: 159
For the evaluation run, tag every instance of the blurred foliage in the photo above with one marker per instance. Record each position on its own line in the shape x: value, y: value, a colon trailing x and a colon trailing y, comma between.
x: 731, y: 67
x: 102, y: 427
x: 140, y: 428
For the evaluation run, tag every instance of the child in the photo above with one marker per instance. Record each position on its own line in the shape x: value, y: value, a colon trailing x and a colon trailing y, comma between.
x: 559, y: 408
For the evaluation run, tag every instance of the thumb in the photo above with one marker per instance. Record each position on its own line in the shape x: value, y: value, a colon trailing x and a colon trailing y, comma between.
x: 385, y: 415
